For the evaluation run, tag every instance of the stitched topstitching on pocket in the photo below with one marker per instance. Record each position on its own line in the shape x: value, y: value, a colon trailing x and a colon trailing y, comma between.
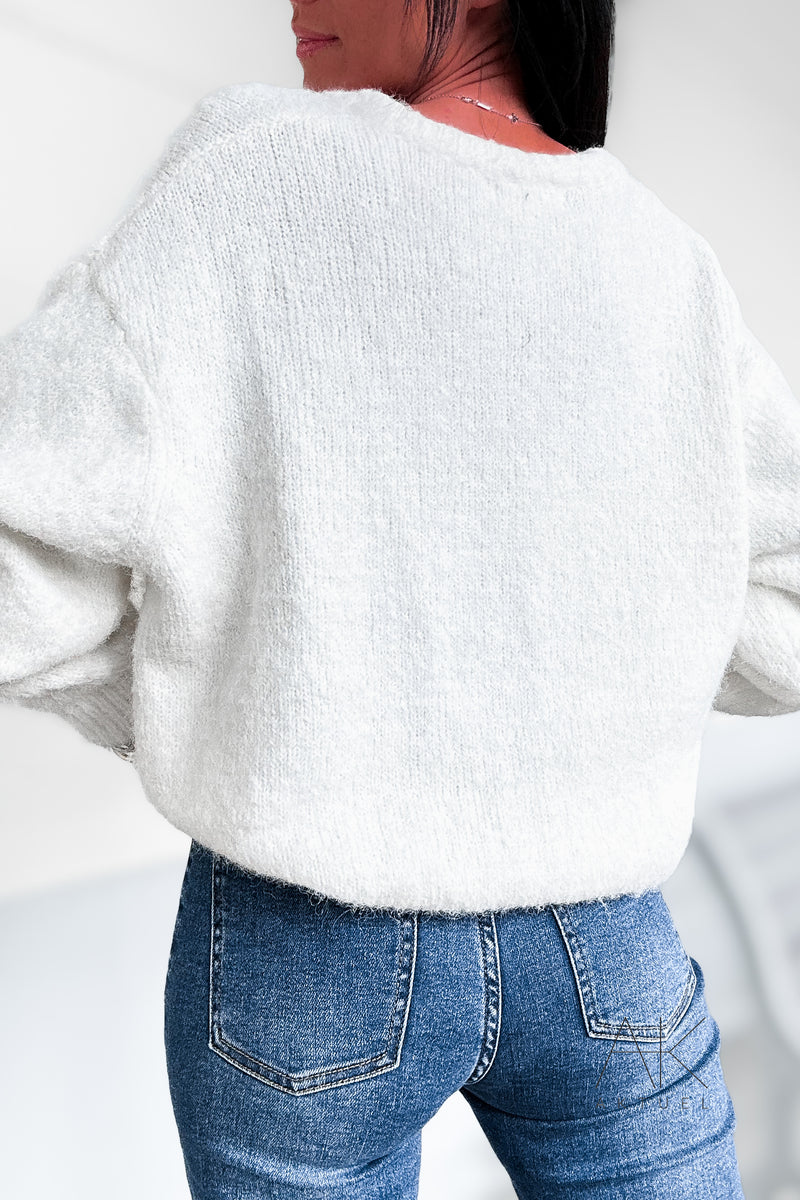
x: 633, y: 975
x: 305, y: 995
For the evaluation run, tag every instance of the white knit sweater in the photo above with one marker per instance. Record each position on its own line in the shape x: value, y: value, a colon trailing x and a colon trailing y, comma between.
x: 407, y: 499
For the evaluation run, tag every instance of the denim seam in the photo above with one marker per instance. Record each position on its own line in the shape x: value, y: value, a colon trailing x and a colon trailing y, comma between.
x: 492, y: 997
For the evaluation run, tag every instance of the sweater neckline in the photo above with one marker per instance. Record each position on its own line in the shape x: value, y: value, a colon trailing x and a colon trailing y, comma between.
x: 585, y: 167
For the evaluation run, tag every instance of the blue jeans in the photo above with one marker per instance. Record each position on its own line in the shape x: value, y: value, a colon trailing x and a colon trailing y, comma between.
x: 308, y: 1042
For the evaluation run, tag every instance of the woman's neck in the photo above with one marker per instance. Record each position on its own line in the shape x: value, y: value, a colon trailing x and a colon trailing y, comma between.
x: 494, y: 126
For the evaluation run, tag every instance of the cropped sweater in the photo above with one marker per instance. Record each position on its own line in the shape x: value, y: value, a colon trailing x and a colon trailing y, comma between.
x: 399, y: 504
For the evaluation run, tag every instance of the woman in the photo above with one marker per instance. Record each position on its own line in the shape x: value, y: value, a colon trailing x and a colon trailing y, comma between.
x: 398, y: 487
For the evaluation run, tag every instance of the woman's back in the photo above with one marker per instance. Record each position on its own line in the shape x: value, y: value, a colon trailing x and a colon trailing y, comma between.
x: 432, y: 460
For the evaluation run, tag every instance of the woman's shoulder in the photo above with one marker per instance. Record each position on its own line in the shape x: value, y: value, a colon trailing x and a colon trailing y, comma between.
x: 238, y: 107
x: 230, y: 115
x: 195, y: 154
x: 227, y: 113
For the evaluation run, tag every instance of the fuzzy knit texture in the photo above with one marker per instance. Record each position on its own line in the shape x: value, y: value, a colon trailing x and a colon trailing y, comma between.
x: 399, y: 503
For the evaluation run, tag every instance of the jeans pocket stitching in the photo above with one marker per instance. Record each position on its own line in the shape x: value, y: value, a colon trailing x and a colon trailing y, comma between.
x: 596, y: 1025
x: 317, y: 1079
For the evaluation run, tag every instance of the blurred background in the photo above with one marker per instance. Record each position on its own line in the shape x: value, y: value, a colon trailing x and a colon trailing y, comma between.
x: 705, y: 111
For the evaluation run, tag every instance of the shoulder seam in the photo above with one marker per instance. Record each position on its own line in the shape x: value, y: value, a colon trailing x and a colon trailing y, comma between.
x: 159, y: 176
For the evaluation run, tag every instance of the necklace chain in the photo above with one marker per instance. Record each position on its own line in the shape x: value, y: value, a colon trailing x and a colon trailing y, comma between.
x: 471, y: 100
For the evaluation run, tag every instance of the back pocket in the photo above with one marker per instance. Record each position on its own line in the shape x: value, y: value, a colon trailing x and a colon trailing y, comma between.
x: 635, y: 980
x: 306, y: 993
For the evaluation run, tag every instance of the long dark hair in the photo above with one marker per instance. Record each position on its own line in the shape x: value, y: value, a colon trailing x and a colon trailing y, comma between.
x: 564, y: 49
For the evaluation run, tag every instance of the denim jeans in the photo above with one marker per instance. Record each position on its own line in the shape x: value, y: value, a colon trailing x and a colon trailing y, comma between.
x: 308, y: 1042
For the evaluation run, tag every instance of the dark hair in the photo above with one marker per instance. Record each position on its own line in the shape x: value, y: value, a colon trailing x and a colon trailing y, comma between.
x: 564, y: 49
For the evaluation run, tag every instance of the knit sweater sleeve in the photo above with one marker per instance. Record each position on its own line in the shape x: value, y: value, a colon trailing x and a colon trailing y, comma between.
x: 75, y: 455
x: 762, y: 677
x: 78, y: 484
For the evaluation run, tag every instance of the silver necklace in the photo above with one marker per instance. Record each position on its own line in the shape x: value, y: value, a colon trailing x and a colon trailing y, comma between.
x: 471, y: 100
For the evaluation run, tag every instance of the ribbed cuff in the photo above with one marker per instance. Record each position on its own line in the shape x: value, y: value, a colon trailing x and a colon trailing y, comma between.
x: 101, y: 712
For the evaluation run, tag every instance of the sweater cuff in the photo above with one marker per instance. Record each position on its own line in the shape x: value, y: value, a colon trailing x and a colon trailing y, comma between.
x: 101, y: 712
